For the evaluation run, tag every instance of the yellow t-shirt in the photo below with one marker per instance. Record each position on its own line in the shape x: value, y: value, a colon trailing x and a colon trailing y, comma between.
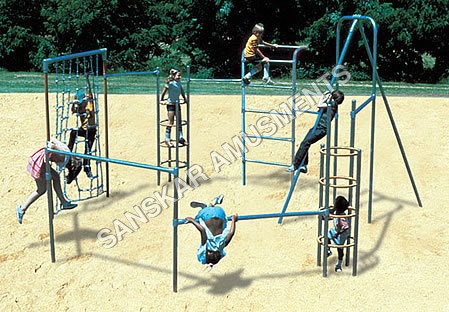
x: 251, y: 46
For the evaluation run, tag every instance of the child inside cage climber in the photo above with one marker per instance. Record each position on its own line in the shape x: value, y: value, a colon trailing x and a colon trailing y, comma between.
x: 339, y: 233
x: 211, y: 222
x: 174, y: 88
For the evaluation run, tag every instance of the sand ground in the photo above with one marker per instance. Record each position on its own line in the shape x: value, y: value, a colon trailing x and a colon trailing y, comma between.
x: 402, y: 254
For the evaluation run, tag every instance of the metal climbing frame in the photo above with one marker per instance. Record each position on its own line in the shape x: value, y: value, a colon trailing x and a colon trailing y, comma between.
x: 328, y: 182
x: 292, y: 87
x: 74, y: 73
x: 164, y: 123
x: 359, y: 22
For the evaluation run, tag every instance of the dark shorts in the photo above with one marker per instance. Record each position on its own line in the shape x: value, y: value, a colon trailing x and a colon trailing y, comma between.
x: 172, y: 108
x: 253, y: 60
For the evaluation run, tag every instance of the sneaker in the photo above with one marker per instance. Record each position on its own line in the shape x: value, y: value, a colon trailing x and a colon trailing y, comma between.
x: 268, y: 81
x: 329, y: 253
x: 218, y: 200
x: 19, y: 214
x: 303, y: 169
x: 338, y: 268
x: 197, y: 204
x: 68, y: 205
x: 291, y: 168
x: 182, y: 141
x: 246, y: 81
x: 168, y: 143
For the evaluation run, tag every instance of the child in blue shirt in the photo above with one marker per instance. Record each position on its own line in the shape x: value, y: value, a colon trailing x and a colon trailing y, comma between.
x: 211, y: 222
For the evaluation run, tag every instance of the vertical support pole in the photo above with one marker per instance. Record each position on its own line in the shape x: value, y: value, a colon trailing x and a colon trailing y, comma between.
x: 357, y: 209
x: 320, y: 206
x: 334, y: 190
x: 50, y: 205
x: 326, y: 194
x: 175, y: 232
x: 106, y: 123
x: 351, y: 144
x: 373, y: 122
x: 188, y: 126
x: 47, y: 105
x: 158, y: 127
x: 243, y: 121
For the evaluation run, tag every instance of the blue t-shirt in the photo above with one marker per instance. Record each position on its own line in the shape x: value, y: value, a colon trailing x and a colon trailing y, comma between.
x: 174, y: 91
x: 213, y: 243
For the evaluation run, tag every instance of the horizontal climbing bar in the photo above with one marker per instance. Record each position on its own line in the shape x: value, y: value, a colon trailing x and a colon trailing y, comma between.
x: 285, y: 46
x: 263, y: 216
x: 267, y: 86
x: 266, y: 162
x: 358, y: 109
x: 269, y: 138
x: 215, y: 80
x: 49, y: 61
x: 173, y: 171
x: 259, y: 111
x: 154, y: 72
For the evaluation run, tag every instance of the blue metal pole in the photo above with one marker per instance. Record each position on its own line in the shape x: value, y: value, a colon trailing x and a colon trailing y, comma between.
x: 115, y: 161
x: 50, y: 205
x: 264, y: 216
x: 290, y: 192
x: 49, y: 61
x: 175, y: 232
x: 158, y: 127
x: 188, y: 126
x: 326, y: 194
x: 243, y: 121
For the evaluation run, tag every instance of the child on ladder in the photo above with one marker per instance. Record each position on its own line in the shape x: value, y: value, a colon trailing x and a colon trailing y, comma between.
x: 253, y: 55
x: 318, y: 132
x: 174, y: 88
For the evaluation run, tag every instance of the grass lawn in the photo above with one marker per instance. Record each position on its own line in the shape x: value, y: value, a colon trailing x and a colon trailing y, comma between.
x: 33, y: 82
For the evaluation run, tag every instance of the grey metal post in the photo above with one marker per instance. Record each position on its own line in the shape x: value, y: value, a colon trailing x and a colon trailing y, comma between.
x: 357, y: 209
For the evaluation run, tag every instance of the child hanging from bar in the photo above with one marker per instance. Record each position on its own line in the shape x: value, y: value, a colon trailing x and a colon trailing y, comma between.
x: 339, y: 233
x: 174, y: 88
x: 36, y: 168
x: 84, y: 107
x: 211, y: 222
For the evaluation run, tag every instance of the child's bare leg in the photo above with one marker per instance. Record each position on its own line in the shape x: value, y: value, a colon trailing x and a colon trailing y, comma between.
x: 57, y: 186
x: 41, y: 185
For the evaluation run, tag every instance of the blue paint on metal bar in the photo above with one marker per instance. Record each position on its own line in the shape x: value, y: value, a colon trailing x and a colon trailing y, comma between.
x: 290, y: 192
x: 358, y: 109
x: 267, y: 162
x: 269, y: 138
x: 177, y: 222
x: 270, y: 112
x: 115, y: 161
x: 48, y: 61
x: 154, y: 72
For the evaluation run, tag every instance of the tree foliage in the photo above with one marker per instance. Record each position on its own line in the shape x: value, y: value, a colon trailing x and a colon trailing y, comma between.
x: 209, y: 35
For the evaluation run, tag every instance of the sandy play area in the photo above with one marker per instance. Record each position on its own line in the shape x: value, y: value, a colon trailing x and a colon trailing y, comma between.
x: 403, y: 254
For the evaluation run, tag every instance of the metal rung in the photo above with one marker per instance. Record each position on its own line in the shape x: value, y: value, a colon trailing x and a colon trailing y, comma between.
x: 267, y: 163
x: 268, y: 138
x: 267, y: 112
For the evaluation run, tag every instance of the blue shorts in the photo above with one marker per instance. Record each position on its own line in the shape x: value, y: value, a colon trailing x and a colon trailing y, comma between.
x: 209, y: 212
x: 340, y: 239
